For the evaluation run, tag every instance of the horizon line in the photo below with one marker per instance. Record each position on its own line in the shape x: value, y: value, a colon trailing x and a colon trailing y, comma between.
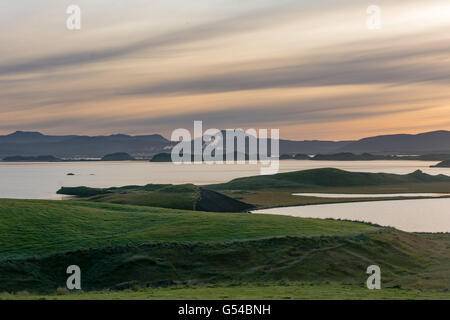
x: 163, y: 136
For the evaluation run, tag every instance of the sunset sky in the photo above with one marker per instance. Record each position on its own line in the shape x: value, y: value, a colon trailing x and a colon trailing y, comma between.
x: 313, y: 69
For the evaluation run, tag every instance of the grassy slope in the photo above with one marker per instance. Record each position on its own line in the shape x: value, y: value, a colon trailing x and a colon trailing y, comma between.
x: 120, y: 246
x: 182, y: 197
x: 328, y: 178
x: 34, y: 227
x: 185, y: 197
x: 268, y: 191
x: 407, y: 261
x: 284, y: 198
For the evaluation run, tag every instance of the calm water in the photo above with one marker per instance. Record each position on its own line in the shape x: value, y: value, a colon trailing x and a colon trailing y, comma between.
x: 384, y: 195
x: 42, y: 180
x: 424, y: 215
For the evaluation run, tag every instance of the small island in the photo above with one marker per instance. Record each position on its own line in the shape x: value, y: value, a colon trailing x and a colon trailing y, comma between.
x: 167, y: 157
x: 286, y: 157
x: 301, y: 156
x: 119, y: 156
x: 347, y: 156
x: 31, y: 159
x: 443, y: 164
x: 162, y: 157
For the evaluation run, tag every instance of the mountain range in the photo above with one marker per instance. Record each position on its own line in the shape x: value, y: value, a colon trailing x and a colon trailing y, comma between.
x: 36, y: 143
x: 76, y: 146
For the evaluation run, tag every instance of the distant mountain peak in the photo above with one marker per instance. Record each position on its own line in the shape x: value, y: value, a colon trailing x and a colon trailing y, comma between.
x: 438, y: 132
x: 120, y: 135
x: 25, y: 133
x: 427, y: 142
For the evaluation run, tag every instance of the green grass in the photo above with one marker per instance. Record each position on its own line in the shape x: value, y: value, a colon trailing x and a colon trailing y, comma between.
x: 284, y: 198
x: 185, y: 197
x: 277, y: 190
x: 182, y: 197
x: 328, y: 178
x: 36, y: 227
x: 407, y: 261
x: 267, y: 191
x: 123, y: 246
x: 292, y: 291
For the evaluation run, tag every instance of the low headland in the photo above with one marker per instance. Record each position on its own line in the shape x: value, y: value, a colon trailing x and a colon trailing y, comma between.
x: 443, y: 164
x: 118, y: 156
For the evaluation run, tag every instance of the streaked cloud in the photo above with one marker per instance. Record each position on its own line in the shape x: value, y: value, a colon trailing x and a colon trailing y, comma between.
x: 311, y: 68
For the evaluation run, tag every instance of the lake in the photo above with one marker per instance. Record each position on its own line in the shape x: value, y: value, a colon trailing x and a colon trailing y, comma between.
x: 421, y: 215
x: 42, y: 180
x: 366, y: 195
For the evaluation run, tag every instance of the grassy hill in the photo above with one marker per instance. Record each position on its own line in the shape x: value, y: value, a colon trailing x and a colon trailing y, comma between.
x: 327, y: 177
x: 408, y: 261
x: 185, y: 197
x: 121, y: 246
x: 167, y: 196
x: 244, y: 194
x: 35, y: 227
x: 277, y: 190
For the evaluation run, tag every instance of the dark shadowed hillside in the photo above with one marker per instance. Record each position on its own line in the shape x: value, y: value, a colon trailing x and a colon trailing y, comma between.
x: 437, y: 141
x: 311, y: 147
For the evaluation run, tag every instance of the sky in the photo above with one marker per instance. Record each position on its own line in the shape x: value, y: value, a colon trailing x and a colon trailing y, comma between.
x: 313, y: 69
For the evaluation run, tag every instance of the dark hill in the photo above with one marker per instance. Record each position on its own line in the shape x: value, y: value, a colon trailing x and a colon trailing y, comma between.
x: 71, y: 146
x: 216, y: 202
x: 311, y: 147
x: 186, y: 197
x: 437, y: 141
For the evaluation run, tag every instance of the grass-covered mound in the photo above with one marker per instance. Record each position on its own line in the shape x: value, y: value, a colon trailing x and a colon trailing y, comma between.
x: 244, y: 194
x: 407, y: 261
x: 277, y: 190
x: 36, y: 227
x: 177, y: 197
x: 186, y: 197
x: 121, y: 246
x: 327, y: 177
